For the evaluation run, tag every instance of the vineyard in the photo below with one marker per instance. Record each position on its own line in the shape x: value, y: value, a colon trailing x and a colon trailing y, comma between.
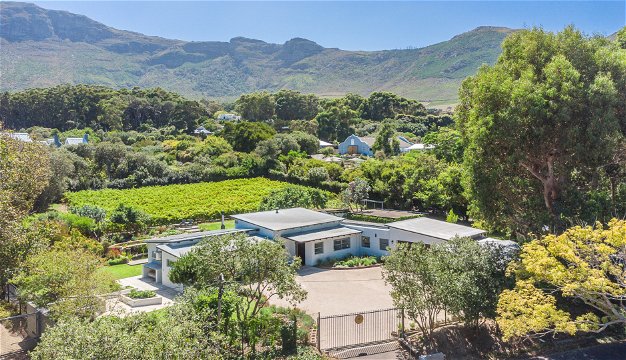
x: 171, y: 203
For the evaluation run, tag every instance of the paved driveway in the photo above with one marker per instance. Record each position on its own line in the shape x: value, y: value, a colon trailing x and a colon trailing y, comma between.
x: 332, y: 292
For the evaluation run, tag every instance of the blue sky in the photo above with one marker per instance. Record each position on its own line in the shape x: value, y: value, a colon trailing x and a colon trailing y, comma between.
x: 350, y: 25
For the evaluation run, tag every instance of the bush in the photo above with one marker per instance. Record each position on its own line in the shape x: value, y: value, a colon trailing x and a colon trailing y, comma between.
x: 141, y: 294
x: 118, y: 261
x: 356, y: 261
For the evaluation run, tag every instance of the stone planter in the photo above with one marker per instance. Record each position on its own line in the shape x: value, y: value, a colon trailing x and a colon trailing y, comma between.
x: 155, y: 300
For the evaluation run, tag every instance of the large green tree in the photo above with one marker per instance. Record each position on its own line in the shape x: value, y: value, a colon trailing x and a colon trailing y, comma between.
x: 24, y: 174
x: 255, y: 270
x: 539, y: 124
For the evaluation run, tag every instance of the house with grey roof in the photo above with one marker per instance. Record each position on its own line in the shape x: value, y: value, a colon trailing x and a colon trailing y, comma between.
x: 164, y: 251
x: 18, y: 136
x: 77, y: 141
x: 354, y: 145
x: 312, y: 236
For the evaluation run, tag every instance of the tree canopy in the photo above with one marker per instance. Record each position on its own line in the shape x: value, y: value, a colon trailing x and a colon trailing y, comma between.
x: 584, y: 264
x: 540, y: 127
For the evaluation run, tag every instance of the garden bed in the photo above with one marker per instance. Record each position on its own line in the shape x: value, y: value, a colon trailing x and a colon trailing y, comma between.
x: 136, y: 298
x: 351, y: 262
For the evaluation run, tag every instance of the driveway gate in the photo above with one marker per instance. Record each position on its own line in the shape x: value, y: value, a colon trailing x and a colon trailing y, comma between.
x: 359, y: 329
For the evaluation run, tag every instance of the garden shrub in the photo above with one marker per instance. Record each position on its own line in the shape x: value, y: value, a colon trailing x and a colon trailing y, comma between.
x: 141, y: 294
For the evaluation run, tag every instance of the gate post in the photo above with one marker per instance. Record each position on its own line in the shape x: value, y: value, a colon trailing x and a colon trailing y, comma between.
x: 319, y: 326
x: 402, y: 330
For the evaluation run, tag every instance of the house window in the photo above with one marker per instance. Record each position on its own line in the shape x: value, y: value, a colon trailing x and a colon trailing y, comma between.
x: 365, y: 241
x: 319, y: 248
x: 384, y: 244
x: 169, y: 262
x: 341, y: 244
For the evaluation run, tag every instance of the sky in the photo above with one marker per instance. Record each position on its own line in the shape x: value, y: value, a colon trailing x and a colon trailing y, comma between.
x: 349, y: 25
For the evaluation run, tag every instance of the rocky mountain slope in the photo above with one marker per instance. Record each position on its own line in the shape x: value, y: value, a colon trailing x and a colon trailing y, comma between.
x: 41, y: 47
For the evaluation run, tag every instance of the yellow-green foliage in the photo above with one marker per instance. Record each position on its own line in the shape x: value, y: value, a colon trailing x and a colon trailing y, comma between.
x: 582, y: 263
x: 188, y: 201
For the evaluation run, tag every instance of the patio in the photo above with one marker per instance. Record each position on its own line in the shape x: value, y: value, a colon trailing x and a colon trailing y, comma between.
x: 117, y: 307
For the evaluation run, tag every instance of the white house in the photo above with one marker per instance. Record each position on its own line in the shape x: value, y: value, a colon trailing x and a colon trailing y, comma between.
x: 229, y: 117
x: 77, y: 141
x: 201, y: 130
x: 18, y: 136
x: 311, y: 235
x: 162, y: 252
x: 419, y: 147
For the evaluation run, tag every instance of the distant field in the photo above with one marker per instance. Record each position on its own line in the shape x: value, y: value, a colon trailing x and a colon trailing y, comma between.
x: 171, y: 203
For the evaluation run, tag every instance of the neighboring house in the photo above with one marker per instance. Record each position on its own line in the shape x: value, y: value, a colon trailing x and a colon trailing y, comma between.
x: 77, y: 141
x: 324, y: 144
x: 405, y: 144
x: 202, y: 131
x: 420, y: 147
x: 18, y: 136
x: 354, y: 145
x: 229, y: 117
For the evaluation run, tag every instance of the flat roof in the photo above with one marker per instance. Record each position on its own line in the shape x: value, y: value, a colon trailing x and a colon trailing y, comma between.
x: 191, y: 236
x: 177, y: 250
x: 322, y: 234
x: 436, y: 228
x: 284, y: 219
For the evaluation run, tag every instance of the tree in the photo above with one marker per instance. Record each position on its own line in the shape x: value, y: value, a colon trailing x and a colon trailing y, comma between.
x: 24, y: 174
x: 448, y: 144
x: 355, y: 193
x: 258, y: 106
x: 294, y: 196
x: 386, y: 141
x: 65, y: 280
x: 244, y: 136
x: 584, y: 264
x: 61, y: 168
x: 412, y: 275
x: 459, y: 276
x: 255, y: 270
x: 335, y: 123
x: 292, y: 105
x: 539, y: 124
x: 177, y: 333
x: 129, y: 219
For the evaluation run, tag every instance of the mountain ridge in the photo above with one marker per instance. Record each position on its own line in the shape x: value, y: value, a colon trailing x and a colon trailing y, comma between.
x: 49, y: 47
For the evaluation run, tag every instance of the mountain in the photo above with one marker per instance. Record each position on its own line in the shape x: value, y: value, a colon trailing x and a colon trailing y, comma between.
x: 41, y: 47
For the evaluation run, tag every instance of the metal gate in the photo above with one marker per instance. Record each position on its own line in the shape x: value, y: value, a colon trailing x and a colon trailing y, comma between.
x: 359, y: 329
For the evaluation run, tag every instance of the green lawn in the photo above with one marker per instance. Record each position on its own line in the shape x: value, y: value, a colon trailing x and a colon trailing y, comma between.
x: 122, y: 271
x: 230, y: 224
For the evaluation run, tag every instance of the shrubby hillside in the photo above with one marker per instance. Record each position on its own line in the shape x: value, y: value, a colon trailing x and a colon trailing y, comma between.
x: 47, y: 47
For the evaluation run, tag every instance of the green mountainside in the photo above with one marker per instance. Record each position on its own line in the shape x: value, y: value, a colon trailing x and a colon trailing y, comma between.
x: 42, y: 48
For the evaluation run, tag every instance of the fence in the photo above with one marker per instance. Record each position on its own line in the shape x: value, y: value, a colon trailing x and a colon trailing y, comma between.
x: 344, y: 331
x: 20, y: 333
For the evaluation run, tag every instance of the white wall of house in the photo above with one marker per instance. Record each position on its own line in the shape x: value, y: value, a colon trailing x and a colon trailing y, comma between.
x: 168, y: 260
x: 374, y: 233
x: 313, y: 259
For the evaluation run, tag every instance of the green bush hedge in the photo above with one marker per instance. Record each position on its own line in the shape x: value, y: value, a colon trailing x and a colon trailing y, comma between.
x: 141, y: 294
